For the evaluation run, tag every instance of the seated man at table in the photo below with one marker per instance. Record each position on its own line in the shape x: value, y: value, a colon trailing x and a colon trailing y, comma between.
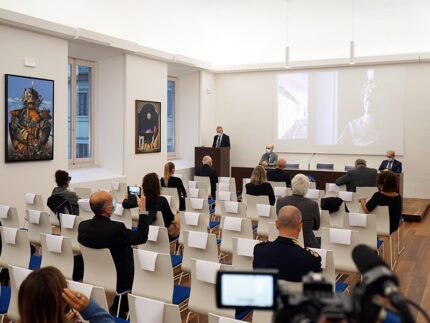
x: 360, y: 176
x: 285, y: 253
x: 269, y: 156
x: 391, y: 163
x: 279, y: 174
x: 206, y: 170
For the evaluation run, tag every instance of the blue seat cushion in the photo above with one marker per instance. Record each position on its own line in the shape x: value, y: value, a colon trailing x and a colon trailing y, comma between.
x: 4, y: 299
x: 176, y: 260
x: 120, y: 320
x: 218, y: 241
x: 254, y: 227
x: 180, y: 294
x: 241, y: 314
x: 211, y: 201
x: 211, y: 211
x: 379, y: 243
x: 340, y: 287
x: 213, y: 224
x: 35, y: 262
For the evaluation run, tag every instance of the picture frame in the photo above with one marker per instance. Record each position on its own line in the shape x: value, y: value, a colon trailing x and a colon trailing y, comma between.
x: 148, y: 127
x: 29, y: 118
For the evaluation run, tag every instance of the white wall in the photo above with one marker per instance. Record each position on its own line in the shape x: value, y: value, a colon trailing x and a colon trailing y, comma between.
x: 145, y: 79
x: 50, y: 55
x: 245, y: 106
x: 208, y: 122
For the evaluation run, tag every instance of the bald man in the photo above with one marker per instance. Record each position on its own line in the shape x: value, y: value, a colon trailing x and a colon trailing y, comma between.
x: 391, y: 163
x: 285, y: 253
x: 269, y: 156
x: 206, y: 170
x: 100, y: 232
x: 279, y: 174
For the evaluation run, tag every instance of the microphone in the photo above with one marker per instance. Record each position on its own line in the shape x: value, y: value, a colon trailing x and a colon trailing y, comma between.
x: 379, y: 279
x: 309, y: 162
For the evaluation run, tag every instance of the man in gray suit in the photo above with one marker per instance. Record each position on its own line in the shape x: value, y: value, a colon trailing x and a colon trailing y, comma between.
x: 269, y: 156
x: 360, y: 176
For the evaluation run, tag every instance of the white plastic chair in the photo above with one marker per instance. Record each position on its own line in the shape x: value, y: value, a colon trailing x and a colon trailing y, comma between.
x: 191, y: 221
x: 118, y: 190
x: 212, y: 318
x: 96, y: 293
x: 38, y: 222
x: 142, y: 309
x: 9, y: 216
x: 223, y: 196
x: 158, y: 240
x: 17, y: 276
x: 83, y: 192
x: 266, y: 214
x: 34, y: 201
x: 382, y: 215
x: 15, y: 248
x: 233, y: 227
x: 251, y: 205
x: 366, y: 191
x: 69, y: 228
x: 198, y: 245
x: 57, y: 252
x: 331, y: 189
x: 243, y: 253
x: 327, y: 265
x: 205, y: 182
x: 365, y: 225
x: 199, y: 205
x: 122, y: 215
x: 84, y: 209
x: 174, y: 197
x: 244, y: 182
x: 231, y: 208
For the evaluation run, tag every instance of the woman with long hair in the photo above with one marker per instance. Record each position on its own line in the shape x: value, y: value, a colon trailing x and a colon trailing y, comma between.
x: 172, y: 181
x: 259, y: 185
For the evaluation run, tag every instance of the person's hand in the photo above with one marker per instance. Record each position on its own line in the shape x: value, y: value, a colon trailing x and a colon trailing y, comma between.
x: 362, y: 199
x: 75, y: 299
x: 142, y: 202
x: 386, y: 170
x: 73, y: 316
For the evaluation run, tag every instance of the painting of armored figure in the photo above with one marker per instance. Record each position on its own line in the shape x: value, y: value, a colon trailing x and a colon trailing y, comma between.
x: 29, y: 134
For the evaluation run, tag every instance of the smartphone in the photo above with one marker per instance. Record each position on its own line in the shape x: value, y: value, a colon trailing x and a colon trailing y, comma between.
x: 255, y: 290
x: 134, y: 190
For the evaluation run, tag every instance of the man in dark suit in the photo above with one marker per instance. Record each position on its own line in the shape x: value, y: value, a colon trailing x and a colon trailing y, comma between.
x: 285, y: 253
x: 221, y: 139
x: 360, y: 176
x: 207, y: 171
x: 100, y: 232
x: 391, y: 163
x: 279, y: 174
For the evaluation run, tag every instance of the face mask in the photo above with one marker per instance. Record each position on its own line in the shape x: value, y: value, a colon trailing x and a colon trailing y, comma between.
x: 219, y: 134
x: 113, y: 206
x: 268, y: 150
x: 390, y: 158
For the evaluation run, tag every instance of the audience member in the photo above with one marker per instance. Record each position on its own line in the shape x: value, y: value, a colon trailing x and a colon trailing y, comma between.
x: 387, y: 196
x: 360, y: 176
x: 308, y: 208
x: 62, y: 198
x: 172, y: 181
x: 221, y: 139
x: 100, y: 232
x: 269, y: 156
x: 206, y: 170
x: 259, y: 185
x: 285, y: 253
x: 391, y: 163
x: 44, y: 297
x: 279, y: 174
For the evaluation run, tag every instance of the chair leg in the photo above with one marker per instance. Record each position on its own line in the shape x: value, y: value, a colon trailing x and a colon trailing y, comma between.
x: 402, y: 236
x: 393, y: 260
x: 119, y: 305
x: 188, y: 316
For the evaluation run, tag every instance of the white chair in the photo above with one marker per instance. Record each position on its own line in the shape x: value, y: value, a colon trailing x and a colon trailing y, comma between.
x: 199, y: 205
x: 281, y: 191
x: 198, y: 245
x: 274, y: 233
x: 9, y: 216
x: 233, y: 227
x: 15, y: 248
x: 200, y: 193
x: 327, y: 265
x: 366, y: 191
x: 148, y: 310
x: 266, y: 214
x: 251, y: 205
x: 38, y: 222
x: 244, y: 182
x: 324, y: 222
x: 85, y: 209
x: 231, y: 208
x: 350, y: 199
x: 174, y: 197
x: 17, y: 276
x: 158, y: 240
x: 202, y: 298
x: 382, y: 215
x: 365, y: 225
x: 225, y: 186
x: 277, y: 184
x: 34, y: 201
x: 223, y: 196
x: 335, y: 218
x: 341, y: 242
x: 191, y: 221
x: 83, y: 192
x: 95, y: 293
x: 205, y: 182
x: 118, y: 190
x: 69, y: 228
x: 212, y: 318
x: 332, y: 190
x: 122, y: 215
x: 57, y: 251
x: 243, y: 253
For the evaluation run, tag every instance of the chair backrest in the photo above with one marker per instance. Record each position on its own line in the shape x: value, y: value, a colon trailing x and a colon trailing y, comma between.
x: 335, y: 218
x: 243, y: 253
x: 198, y: 245
x: 202, y: 297
x: 38, y: 222
x: 223, y: 196
x: 331, y: 189
x: 191, y: 221
x: 244, y: 182
x: 34, y: 201
x: 201, y: 193
x: 232, y: 208
x: 226, y: 186
x: 251, y: 205
x: 382, y: 215
x: 9, y: 216
x: 99, y: 268
x: 341, y: 242
x: 205, y: 181
x: 118, y: 190
x: 122, y: 215
x: 277, y: 184
x: 15, y: 248
x: 57, y: 252
x: 69, y: 228
x: 84, y: 209
x: 274, y: 233
x: 96, y: 293
x: 327, y: 264
x: 292, y: 166
x: 212, y: 318
x: 234, y: 227
x: 174, y: 197
x: 199, y: 205
x: 158, y: 240
x: 266, y: 214
x: 17, y: 276
x: 325, y: 166
x: 365, y: 225
x: 83, y: 192
x: 366, y: 191
x: 147, y: 310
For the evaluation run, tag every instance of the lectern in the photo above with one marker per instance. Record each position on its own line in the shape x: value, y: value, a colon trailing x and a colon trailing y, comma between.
x: 220, y: 157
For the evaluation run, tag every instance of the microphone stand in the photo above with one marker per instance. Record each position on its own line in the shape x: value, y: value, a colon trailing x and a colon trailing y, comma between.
x: 309, y: 162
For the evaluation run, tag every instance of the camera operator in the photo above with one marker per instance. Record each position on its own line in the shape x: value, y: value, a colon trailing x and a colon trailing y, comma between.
x: 285, y: 253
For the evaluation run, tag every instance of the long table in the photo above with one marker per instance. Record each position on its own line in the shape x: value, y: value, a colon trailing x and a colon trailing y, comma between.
x: 321, y: 176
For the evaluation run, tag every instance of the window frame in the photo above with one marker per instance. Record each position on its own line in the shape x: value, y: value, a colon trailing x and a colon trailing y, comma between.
x: 174, y: 154
x: 74, y: 161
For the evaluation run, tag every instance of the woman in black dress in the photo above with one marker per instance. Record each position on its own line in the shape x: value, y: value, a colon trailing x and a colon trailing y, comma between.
x: 172, y: 181
x: 259, y: 185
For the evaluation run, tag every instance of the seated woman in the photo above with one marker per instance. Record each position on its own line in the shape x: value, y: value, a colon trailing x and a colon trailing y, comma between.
x: 172, y: 181
x: 387, y: 196
x: 308, y: 208
x: 61, y: 196
x: 259, y: 185
x: 44, y: 297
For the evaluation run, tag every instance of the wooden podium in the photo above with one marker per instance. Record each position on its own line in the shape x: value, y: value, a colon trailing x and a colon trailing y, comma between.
x: 220, y: 158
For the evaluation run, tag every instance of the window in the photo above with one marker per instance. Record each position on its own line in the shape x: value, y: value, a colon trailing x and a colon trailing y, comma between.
x: 80, y: 111
x: 172, y: 110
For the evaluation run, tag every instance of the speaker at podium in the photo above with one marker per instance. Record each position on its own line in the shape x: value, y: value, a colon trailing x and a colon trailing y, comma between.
x: 220, y: 157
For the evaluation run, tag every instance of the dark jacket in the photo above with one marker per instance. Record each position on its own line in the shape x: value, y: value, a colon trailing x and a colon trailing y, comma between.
x: 176, y: 182
x: 362, y: 176
x: 225, y: 141
x: 206, y: 171
x: 262, y: 189
x: 285, y: 254
x: 100, y: 232
x: 279, y: 175
x: 396, y: 166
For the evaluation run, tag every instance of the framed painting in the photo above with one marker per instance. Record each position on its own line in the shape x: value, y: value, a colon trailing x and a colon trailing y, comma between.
x: 148, y: 127
x: 29, y: 128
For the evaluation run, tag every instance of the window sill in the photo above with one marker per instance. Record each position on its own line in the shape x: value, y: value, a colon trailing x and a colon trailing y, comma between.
x: 92, y: 174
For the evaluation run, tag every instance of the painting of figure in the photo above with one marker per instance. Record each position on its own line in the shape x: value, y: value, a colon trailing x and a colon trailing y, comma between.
x: 29, y: 134
x: 148, y: 127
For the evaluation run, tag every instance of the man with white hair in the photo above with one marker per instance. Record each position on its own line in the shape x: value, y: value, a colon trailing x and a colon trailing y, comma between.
x: 207, y: 171
x: 308, y: 208
x: 269, y: 156
x: 360, y: 176
x: 285, y: 253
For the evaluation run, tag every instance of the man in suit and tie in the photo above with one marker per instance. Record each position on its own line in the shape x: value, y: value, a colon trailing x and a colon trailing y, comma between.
x: 221, y: 139
x: 269, y: 156
x: 279, y: 174
x: 391, y: 163
x: 360, y: 176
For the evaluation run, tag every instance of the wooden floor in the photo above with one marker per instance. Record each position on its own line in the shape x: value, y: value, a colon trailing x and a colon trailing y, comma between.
x: 415, y: 209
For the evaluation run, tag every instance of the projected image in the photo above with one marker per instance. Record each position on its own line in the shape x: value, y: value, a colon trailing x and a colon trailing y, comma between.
x: 293, y: 106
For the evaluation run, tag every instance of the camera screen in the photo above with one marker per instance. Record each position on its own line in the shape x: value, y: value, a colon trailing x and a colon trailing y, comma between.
x: 255, y: 290
x: 134, y: 190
